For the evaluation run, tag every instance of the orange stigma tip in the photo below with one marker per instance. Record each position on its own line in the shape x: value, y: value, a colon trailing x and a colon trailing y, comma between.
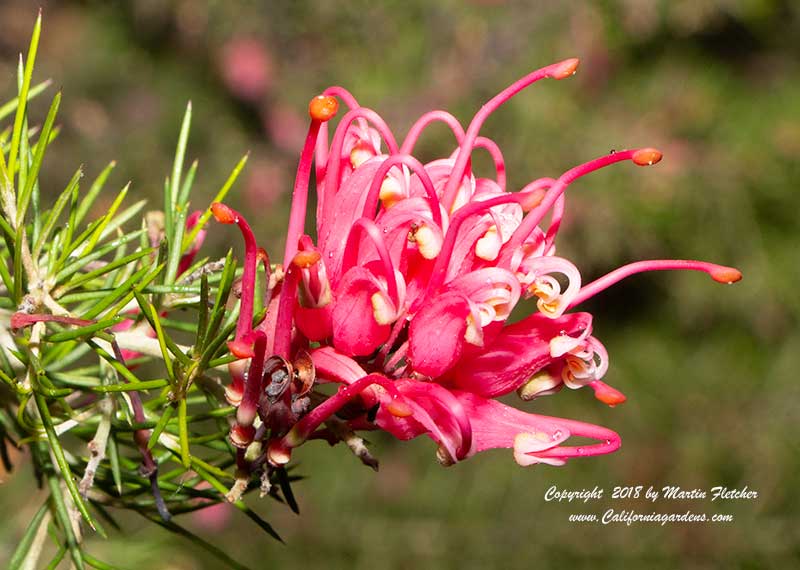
x: 726, y: 275
x: 323, y: 108
x: 610, y: 396
x: 532, y: 199
x: 222, y: 213
x: 565, y: 69
x: 305, y: 259
x: 399, y: 409
x: 240, y: 349
x: 262, y: 255
x: 646, y: 156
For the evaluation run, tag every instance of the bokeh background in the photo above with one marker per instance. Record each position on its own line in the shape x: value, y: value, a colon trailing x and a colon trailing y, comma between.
x: 710, y: 371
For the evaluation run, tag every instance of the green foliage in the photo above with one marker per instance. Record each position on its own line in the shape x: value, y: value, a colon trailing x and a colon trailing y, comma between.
x: 72, y: 304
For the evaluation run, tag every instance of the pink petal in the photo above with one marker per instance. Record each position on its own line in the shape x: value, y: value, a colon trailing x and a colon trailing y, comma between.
x: 348, y: 204
x: 495, y: 425
x: 436, y: 412
x: 436, y: 334
x: 534, y: 438
x: 334, y: 366
x: 355, y: 331
x: 315, y: 323
x: 516, y: 354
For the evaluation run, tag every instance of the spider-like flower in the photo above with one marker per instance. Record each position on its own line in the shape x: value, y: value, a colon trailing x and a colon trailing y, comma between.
x: 404, y: 297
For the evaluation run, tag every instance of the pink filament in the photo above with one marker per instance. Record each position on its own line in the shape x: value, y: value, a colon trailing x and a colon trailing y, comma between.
x: 451, y: 188
x: 535, y: 216
x: 555, y: 222
x: 343, y: 94
x: 297, y: 217
x: 424, y: 122
x: 456, y: 409
x: 350, y: 257
x: 244, y: 325
x: 321, y: 158
x: 252, y: 386
x: 470, y: 209
x: 621, y: 273
x: 497, y: 156
x: 610, y: 440
x: 326, y: 409
x: 283, y: 324
x: 321, y: 154
x: 333, y: 173
x: 417, y: 168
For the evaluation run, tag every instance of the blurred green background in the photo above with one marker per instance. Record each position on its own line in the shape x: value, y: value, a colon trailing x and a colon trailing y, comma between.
x: 710, y: 371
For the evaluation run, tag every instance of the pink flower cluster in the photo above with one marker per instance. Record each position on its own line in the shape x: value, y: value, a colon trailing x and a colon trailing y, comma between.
x: 404, y: 298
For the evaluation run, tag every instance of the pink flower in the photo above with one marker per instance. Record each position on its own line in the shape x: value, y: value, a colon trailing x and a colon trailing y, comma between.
x: 404, y: 297
x: 246, y: 68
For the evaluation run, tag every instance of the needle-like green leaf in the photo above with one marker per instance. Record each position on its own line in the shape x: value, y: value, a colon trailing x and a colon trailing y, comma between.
x: 61, y: 460
x: 33, y: 174
x: 133, y: 386
x: 166, y: 414
x: 87, y: 330
x: 77, y: 282
x: 7, y: 108
x: 62, y: 516
x: 168, y: 346
x: 123, y: 290
x: 113, y: 460
x: 22, y: 102
x: 95, y: 255
x: 24, y: 544
x: 98, y: 232
x: 186, y: 188
x: 183, y: 434
x: 206, y: 215
x: 52, y: 218
x: 94, y: 190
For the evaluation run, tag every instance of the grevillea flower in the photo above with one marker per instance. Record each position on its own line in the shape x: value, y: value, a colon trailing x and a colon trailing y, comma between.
x: 404, y: 297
